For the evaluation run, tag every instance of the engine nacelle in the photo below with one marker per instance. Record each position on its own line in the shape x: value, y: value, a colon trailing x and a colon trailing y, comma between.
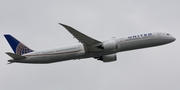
x: 110, y: 45
x: 108, y: 58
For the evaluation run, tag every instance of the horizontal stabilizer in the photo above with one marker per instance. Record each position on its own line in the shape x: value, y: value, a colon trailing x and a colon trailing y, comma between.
x: 15, y: 56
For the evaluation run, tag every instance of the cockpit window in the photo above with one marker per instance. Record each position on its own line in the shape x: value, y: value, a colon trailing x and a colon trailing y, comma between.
x: 168, y: 34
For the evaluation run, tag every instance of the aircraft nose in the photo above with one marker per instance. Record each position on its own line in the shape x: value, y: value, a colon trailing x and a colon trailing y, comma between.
x: 172, y: 39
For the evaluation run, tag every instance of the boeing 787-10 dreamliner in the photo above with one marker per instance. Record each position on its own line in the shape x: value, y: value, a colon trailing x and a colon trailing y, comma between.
x: 89, y: 47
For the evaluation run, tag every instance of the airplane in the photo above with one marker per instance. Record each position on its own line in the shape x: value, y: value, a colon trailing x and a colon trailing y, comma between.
x: 89, y: 47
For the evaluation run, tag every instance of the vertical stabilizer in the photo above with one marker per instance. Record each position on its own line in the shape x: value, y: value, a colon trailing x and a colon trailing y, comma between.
x: 17, y: 46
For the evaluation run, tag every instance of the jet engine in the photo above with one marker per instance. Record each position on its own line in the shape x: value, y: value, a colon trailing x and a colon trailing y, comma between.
x: 107, y: 58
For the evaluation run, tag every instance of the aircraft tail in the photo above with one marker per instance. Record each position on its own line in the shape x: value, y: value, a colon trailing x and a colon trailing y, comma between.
x: 17, y: 46
x: 15, y: 56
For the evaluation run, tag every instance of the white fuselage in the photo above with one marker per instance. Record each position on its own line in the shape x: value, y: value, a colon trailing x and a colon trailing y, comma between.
x: 78, y: 51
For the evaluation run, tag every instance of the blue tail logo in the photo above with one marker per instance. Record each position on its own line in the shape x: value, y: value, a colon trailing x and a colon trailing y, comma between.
x: 17, y: 46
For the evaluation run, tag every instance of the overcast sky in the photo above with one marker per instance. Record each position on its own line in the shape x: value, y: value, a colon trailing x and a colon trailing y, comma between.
x: 35, y: 23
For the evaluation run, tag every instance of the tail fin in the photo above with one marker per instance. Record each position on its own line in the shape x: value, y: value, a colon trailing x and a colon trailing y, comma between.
x: 17, y: 46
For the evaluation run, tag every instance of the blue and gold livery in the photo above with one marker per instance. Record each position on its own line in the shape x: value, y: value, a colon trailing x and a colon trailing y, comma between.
x: 89, y: 47
x: 17, y: 46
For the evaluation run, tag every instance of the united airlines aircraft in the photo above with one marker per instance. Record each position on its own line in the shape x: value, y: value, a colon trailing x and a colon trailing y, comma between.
x: 89, y: 47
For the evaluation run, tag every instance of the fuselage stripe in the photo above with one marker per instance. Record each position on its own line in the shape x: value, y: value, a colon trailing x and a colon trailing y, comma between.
x: 53, y: 53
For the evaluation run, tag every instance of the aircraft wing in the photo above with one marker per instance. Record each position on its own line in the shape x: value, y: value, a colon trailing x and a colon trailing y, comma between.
x: 87, y: 41
x: 81, y: 37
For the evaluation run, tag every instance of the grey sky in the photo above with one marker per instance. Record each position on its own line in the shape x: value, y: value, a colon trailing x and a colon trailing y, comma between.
x: 35, y: 23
